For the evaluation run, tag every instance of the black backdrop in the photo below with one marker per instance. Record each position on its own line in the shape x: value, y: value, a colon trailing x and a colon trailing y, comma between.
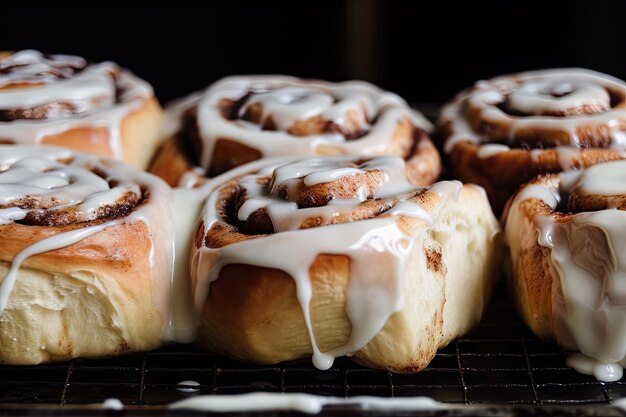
x: 426, y: 51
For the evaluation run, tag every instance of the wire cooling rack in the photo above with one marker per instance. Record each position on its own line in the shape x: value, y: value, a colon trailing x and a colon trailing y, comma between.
x: 499, y: 363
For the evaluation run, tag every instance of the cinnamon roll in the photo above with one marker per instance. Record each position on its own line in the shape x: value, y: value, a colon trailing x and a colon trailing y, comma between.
x: 86, y: 256
x: 340, y: 256
x: 242, y: 119
x: 566, y: 234
x: 64, y: 101
x: 503, y: 132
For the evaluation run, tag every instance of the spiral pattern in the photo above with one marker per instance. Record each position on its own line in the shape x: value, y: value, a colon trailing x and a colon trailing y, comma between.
x: 504, y: 131
x: 345, y: 206
x: 570, y: 258
x: 241, y: 119
x: 64, y: 100
x: 48, y: 192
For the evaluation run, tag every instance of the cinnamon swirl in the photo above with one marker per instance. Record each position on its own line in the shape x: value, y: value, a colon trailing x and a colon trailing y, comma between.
x: 63, y: 100
x: 340, y: 256
x: 502, y: 132
x: 86, y: 256
x: 242, y: 119
x: 567, y: 245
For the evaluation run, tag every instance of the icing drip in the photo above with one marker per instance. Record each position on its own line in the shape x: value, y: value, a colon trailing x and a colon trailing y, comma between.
x: 113, y: 404
x: 588, y: 255
x: 188, y: 204
x: 560, y: 101
x: 304, y: 403
x: 377, y: 247
x: 356, y: 109
x: 58, y: 179
x: 100, y: 95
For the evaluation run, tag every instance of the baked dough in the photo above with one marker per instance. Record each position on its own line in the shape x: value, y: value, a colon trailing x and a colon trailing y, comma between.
x: 566, y: 237
x: 387, y: 271
x: 86, y: 256
x: 64, y: 101
x: 243, y: 119
x: 502, y: 132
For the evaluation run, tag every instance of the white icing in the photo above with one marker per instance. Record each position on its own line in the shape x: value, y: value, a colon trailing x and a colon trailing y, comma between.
x: 376, y: 247
x: 92, y: 91
x: 606, y: 372
x: 530, y: 93
x: 603, y: 179
x: 288, y: 100
x: 74, y: 186
x: 304, y: 403
x: 188, y: 387
x: 183, y: 321
x: 538, y: 97
x: 491, y: 149
x: 112, y: 404
x: 588, y: 255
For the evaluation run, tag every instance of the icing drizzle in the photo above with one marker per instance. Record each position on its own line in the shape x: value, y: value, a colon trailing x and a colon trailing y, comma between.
x: 346, y: 111
x: 562, y: 101
x: 99, y: 95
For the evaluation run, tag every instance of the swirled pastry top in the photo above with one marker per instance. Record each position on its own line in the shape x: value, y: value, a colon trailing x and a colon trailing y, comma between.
x: 43, y: 95
x: 280, y: 115
x: 557, y: 107
x: 58, y: 190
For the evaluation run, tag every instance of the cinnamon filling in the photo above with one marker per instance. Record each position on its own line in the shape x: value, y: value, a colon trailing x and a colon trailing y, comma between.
x: 233, y: 196
x: 236, y: 109
x: 63, y: 217
x: 52, y: 211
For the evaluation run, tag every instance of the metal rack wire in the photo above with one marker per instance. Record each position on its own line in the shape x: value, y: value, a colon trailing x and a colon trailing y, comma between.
x: 500, y: 362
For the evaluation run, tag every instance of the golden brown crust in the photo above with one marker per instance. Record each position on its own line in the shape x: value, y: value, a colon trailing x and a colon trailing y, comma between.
x: 139, y: 136
x: 532, y: 285
x: 501, y: 174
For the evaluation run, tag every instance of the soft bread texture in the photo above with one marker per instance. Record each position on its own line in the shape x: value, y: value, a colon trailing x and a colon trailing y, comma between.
x: 532, y: 277
x: 253, y: 314
x: 91, y: 299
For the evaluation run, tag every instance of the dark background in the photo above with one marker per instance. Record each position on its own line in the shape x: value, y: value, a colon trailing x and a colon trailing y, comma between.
x: 425, y: 51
